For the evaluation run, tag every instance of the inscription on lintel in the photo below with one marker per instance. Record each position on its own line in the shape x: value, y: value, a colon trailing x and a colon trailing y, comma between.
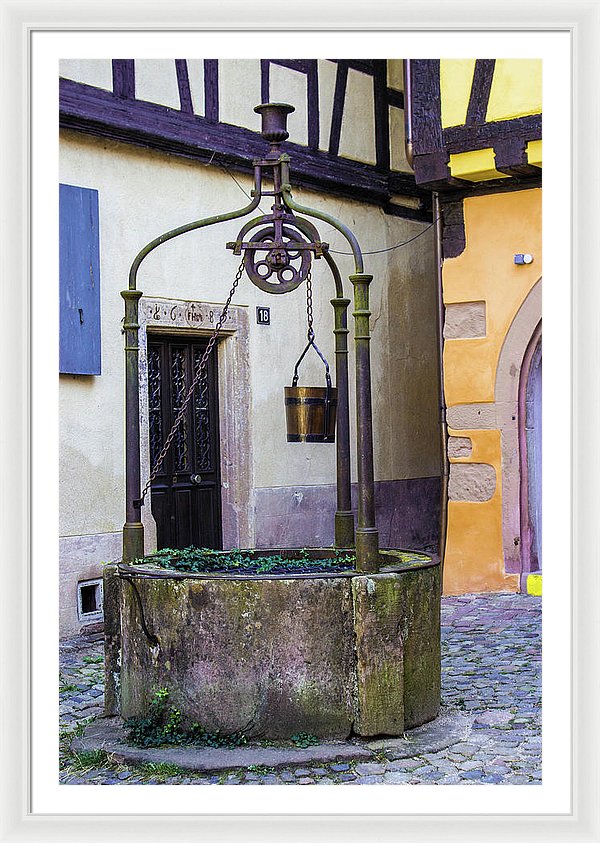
x: 190, y: 314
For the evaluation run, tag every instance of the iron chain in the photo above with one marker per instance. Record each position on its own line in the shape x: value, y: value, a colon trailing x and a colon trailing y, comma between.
x: 309, y: 306
x: 194, y: 384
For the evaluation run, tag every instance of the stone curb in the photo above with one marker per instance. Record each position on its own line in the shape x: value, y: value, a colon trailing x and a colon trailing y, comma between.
x: 106, y: 734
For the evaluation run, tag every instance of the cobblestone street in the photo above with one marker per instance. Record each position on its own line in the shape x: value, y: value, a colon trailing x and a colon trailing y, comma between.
x: 491, y: 671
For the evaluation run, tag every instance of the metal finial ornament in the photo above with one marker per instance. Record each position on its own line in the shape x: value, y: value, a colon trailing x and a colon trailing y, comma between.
x: 274, y: 122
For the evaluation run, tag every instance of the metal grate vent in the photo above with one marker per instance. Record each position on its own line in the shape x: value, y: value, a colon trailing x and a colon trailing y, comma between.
x: 89, y: 601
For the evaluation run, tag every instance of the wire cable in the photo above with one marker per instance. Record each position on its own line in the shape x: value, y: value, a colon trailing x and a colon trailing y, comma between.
x: 391, y: 248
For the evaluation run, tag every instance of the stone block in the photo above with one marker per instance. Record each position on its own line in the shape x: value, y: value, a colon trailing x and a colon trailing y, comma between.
x: 379, y: 655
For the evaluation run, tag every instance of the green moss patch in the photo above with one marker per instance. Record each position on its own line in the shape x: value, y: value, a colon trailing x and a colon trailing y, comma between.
x: 201, y: 560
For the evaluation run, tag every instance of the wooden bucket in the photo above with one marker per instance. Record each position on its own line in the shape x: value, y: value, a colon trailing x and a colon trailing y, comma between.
x: 310, y: 413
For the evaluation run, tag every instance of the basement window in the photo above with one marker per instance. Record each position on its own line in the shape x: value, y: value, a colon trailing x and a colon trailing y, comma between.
x: 89, y: 601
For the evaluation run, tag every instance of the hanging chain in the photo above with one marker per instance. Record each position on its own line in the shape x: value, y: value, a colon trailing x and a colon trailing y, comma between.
x: 201, y: 369
x: 309, y: 307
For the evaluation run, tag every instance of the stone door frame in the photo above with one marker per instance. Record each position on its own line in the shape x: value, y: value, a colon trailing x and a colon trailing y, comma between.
x: 528, y: 564
x: 510, y: 370
x: 188, y: 318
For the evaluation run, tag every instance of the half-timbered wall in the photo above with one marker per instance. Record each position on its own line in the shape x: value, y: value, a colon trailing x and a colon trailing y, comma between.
x: 476, y: 120
x: 346, y: 135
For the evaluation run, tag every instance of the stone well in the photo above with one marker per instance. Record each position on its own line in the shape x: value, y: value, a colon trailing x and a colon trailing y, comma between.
x: 329, y: 654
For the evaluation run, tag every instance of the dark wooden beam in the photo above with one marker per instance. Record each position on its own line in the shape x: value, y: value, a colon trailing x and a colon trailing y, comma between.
x: 480, y: 91
x: 453, y: 227
x: 468, y: 138
x: 382, y: 120
x: 362, y: 65
x: 123, y: 71
x: 265, y: 80
x: 426, y: 107
x: 312, y: 93
x: 211, y: 90
x: 395, y: 98
x: 98, y: 112
x: 337, y: 115
x: 183, y: 83
x: 511, y: 157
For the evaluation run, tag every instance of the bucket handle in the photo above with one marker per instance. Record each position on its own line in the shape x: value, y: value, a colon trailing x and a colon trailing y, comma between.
x: 311, y: 342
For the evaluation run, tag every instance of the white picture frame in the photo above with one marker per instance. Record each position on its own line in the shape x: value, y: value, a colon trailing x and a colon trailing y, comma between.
x: 19, y: 22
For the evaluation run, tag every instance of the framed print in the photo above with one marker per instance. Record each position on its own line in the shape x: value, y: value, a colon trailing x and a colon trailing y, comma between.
x: 432, y: 228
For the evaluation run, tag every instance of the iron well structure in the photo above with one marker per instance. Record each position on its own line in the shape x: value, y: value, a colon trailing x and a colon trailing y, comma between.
x: 278, y: 251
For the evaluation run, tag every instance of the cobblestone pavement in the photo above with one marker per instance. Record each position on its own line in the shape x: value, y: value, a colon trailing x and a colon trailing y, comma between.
x: 491, y: 668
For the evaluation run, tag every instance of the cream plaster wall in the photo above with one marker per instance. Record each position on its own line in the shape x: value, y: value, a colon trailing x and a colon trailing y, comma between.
x: 143, y: 193
x: 196, y: 79
x: 327, y: 72
x: 156, y: 81
x: 236, y: 101
x: 287, y: 85
x: 395, y: 74
x: 96, y: 72
x: 357, y: 139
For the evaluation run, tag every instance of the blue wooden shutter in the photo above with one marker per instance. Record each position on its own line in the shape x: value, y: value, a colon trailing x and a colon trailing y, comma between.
x: 79, y: 236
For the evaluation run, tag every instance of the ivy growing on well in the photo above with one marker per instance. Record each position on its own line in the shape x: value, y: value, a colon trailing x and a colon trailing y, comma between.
x: 163, y: 726
x: 204, y: 560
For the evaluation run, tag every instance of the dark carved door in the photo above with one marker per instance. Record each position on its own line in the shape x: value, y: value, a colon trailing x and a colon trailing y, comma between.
x: 186, y: 493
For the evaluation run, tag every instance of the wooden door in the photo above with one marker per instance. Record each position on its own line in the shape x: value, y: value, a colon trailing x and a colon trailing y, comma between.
x: 533, y: 432
x: 186, y: 493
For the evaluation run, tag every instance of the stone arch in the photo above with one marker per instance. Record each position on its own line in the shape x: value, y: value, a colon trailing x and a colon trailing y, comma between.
x: 530, y: 469
x: 525, y: 326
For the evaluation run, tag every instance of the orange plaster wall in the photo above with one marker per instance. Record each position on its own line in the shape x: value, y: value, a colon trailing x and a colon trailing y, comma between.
x: 497, y: 227
x: 474, y: 559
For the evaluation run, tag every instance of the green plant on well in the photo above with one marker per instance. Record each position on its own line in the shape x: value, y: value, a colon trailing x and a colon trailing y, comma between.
x: 93, y: 659
x: 200, y: 560
x: 163, y: 726
x: 302, y: 740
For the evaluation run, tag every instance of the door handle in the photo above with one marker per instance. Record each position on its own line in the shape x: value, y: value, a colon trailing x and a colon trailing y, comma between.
x: 196, y: 479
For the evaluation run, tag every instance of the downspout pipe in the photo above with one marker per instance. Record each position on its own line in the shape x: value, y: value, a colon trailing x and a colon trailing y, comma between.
x: 445, y: 466
x: 437, y: 216
x: 408, y: 136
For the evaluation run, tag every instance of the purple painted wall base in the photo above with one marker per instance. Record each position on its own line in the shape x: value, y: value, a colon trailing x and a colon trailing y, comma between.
x: 407, y: 514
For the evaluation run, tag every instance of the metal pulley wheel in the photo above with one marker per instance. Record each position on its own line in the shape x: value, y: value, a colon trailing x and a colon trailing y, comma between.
x: 287, y: 268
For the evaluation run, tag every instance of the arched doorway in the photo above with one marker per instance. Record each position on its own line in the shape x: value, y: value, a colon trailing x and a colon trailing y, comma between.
x: 530, y: 447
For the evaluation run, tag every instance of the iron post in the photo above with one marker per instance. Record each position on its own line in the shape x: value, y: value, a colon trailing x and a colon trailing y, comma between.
x: 367, y: 535
x: 133, y: 529
x: 344, y: 517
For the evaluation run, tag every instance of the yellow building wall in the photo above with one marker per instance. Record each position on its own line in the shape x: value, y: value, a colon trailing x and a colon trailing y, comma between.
x: 497, y: 227
x: 516, y: 91
x: 456, y: 78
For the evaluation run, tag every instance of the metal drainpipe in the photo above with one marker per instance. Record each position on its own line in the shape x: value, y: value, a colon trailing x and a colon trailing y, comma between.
x: 445, y: 468
x: 437, y: 216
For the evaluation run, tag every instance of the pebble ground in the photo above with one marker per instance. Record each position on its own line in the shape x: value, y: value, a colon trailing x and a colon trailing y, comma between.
x: 491, y: 669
